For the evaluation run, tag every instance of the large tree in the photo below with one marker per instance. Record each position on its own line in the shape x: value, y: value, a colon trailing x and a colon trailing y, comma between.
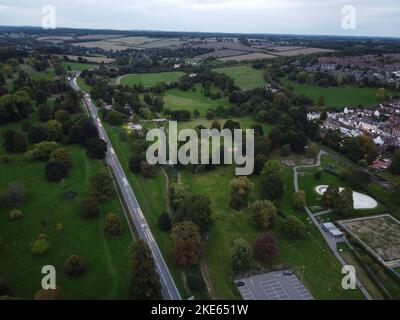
x: 101, y: 187
x: 187, y: 244
x: 265, y: 248
x: 294, y: 228
x: 331, y: 196
x: 56, y: 171
x: 241, y: 256
x: 263, y: 214
x: 271, y: 167
x: 144, y: 280
x: 273, y: 187
x: 240, y: 192
x: 96, y: 148
x: 345, y: 205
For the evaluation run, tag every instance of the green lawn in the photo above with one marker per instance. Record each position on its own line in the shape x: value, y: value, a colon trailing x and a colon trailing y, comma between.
x: 191, y: 100
x: 245, y: 76
x: 349, y: 96
x: 106, y: 259
x: 81, y: 83
x: 310, y: 258
x: 150, y: 79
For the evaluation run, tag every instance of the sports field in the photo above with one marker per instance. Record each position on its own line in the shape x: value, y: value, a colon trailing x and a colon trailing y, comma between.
x: 150, y: 79
x: 245, y: 76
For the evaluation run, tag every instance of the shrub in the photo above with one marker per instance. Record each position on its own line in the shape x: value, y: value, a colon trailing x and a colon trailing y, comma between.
x: 41, y: 245
x: 265, y: 248
x: 74, y: 266
x: 59, y: 228
x: 164, y: 221
x: 299, y: 200
x: 147, y: 170
x: 16, y: 215
x: 263, y: 214
x: 90, y: 208
x: 294, y: 228
x: 56, y: 171
x: 195, y: 281
x: 113, y: 226
x: 6, y: 158
x: 241, y: 257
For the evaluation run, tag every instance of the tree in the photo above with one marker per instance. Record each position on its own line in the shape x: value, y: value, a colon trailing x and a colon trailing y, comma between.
x: 56, y: 171
x: 357, y: 177
x: 37, y: 134
x: 147, y: 170
x: 265, y: 248
x: 360, y: 148
x: 144, y: 280
x: 241, y: 257
x: 273, y: 187
x: 90, y: 208
x: 321, y: 101
x: 61, y: 155
x: 331, y: 196
x: 96, y: 148
x: 240, y: 192
x: 345, y: 204
x: 263, y: 214
x: 216, y: 125
x: 271, y: 167
x: 101, y: 187
x: 395, y: 165
x: 164, y: 221
x: 41, y: 245
x: 312, y: 150
x: 299, y: 200
x: 112, y: 226
x: 45, y: 113
x: 294, y: 228
x: 75, y: 266
x: 395, y: 191
x: 15, y: 141
x: 258, y: 129
x: 135, y: 161
x: 54, y: 130
x: 187, y: 244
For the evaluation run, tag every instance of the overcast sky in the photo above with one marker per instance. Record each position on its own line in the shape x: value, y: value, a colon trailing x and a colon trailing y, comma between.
x: 374, y: 17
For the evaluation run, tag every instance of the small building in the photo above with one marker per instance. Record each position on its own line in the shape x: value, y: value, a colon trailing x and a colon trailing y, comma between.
x: 332, y: 230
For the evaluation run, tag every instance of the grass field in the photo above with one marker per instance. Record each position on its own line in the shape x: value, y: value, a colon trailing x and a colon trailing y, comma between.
x: 150, y: 79
x: 339, y: 98
x: 245, y: 76
x: 76, y: 66
x: 176, y: 99
x: 106, y: 259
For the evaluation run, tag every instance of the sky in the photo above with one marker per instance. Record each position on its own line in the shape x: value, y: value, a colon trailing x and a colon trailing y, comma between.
x: 322, y: 17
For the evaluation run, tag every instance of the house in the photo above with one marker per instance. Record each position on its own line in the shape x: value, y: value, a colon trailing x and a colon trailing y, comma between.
x: 332, y: 230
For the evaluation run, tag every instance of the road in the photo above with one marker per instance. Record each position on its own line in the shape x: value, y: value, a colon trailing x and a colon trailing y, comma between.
x: 169, y: 289
x: 332, y: 243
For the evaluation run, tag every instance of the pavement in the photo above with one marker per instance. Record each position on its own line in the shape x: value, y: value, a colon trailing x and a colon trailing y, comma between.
x: 332, y: 243
x: 169, y: 289
x: 273, y: 286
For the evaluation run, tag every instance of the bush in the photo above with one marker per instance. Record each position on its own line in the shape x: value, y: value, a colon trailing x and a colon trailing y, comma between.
x: 147, y: 170
x: 41, y: 245
x: 59, y: 228
x: 6, y: 158
x: 90, y: 208
x: 195, y: 281
x: 74, y: 266
x: 294, y: 228
x: 265, y: 248
x: 16, y: 215
x: 164, y: 221
x: 56, y: 171
x: 113, y: 226
x: 15, y: 195
x: 299, y: 200
x: 241, y: 257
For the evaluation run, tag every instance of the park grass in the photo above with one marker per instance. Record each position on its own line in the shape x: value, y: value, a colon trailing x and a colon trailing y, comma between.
x: 107, y: 259
x: 151, y: 194
x: 244, y: 76
x: 191, y: 100
x: 150, y: 79
x: 76, y: 66
x: 338, y: 98
x: 84, y: 87
x: 309, y: 258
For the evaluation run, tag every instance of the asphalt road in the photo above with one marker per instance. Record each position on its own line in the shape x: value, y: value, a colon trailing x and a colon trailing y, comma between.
x: 169, y: 289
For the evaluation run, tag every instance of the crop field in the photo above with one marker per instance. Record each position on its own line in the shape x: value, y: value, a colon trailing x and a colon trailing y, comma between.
x: 150, y: 79
x: 302, y: 51
x: 91, y: 59
x: 339, y: 98
x: 245, y: 76
x: 380, y: 235
x: 176, y: 99
x: 104, y: 45
x: 248, y: 57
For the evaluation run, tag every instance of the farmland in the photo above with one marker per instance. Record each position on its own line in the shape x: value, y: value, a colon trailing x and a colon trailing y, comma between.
x: 338, y: 98
x: 149, y: 79
x: 245, y: 77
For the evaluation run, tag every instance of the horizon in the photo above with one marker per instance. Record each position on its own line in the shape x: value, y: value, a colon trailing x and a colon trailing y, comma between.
x: 266, y: 17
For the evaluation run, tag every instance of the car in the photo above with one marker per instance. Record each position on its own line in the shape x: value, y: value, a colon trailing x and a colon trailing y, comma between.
x: 240, y: 284
x: 288, y: 273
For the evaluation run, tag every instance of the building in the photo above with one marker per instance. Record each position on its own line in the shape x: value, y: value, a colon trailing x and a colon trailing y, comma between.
x: 332, y: 230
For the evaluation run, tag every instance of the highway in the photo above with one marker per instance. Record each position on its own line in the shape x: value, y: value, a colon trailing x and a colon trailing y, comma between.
x: 169, y: 289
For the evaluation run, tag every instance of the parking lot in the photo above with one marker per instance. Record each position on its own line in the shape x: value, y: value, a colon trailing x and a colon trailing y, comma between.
x: 273, y: 286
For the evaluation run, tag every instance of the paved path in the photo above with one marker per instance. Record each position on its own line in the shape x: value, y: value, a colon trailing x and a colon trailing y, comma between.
x: 332, y: 243
x: 169, y: 289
